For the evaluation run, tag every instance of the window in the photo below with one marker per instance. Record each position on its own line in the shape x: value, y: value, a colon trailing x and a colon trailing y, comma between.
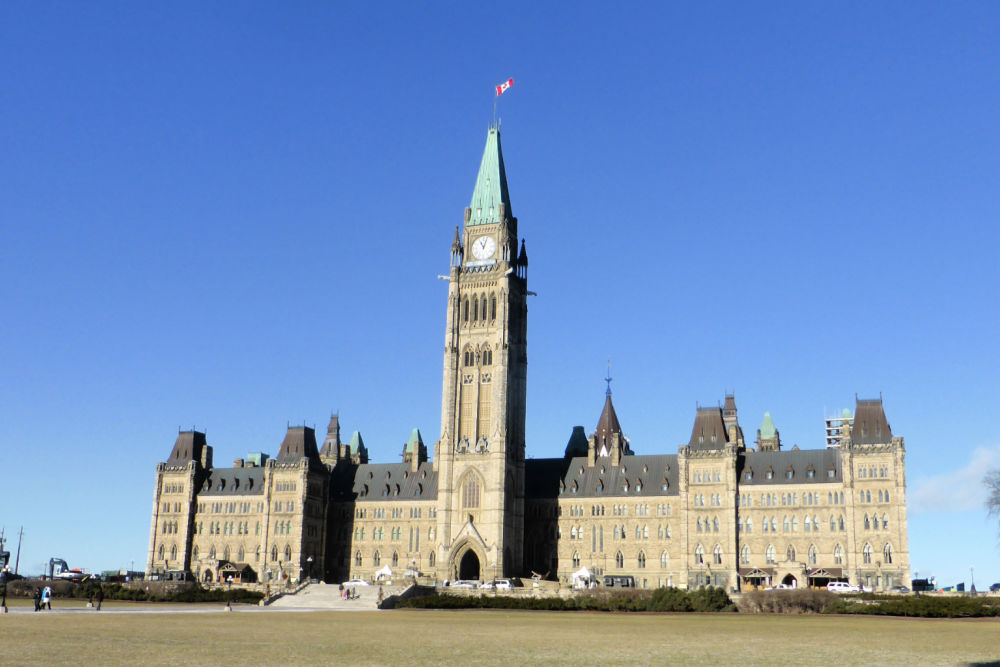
x: 749, y: 525
x: 395, y: 559
x: 576, y: 559
x: 807, y: 524
x: 376, y: 559
x: 812, y: 554
x: 715, y: 524
x: 795, y: 524
x: 786, y: 525
x: 717, y: 555
x: 431, y: 559
x: 885, y: 522
x: 769, y: 554
x: 288, y: 553
x: 470, y: 492
x: 699, y: 555
x: 838, y: 555
x: 868, y: 523
x: 790, y: 553
x: 745, y: 555
x: 641, y: 560
x: 664, y: 560
x: 619, y: 560
x: 274, y: 552
x: 866, y: 554
x: 887, y: 554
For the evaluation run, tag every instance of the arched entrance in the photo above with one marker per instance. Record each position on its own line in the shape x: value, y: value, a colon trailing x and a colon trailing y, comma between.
x: 468, y: 568
x: 789, y: 580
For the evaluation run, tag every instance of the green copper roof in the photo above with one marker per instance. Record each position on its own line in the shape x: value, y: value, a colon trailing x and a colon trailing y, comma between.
x: 357, y: 443
x: 846, y: 413
x: 767, y: 427
x: 491, y: 185
x: 414, y: 440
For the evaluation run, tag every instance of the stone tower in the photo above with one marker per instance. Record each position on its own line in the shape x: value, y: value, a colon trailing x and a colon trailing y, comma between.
x: 480, y: 455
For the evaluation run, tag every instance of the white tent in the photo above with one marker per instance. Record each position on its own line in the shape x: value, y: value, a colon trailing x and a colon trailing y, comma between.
x: 581, y: 578
x: 384, y: 573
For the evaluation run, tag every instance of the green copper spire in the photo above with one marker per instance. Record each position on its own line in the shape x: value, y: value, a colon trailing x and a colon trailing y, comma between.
x: 357, y: 443
x: 491, y: 185
x: 414, y: 441
x: 767, y: 430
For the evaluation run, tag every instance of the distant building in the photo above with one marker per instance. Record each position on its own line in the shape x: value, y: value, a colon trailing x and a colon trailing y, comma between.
x: 716, y: 512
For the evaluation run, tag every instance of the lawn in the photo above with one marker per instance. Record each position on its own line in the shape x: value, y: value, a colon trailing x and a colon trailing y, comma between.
x: 406, y: 637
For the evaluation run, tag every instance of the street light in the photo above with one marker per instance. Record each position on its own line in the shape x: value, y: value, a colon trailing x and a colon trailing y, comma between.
x: 310, y: 561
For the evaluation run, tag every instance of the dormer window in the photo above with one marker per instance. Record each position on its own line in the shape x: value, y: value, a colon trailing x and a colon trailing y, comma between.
x: 810, y: 472
x: 831, y: 473
x: 665, y: 485
x: 575, y: 487
x: 748, y: 475
x: 769, y: 474
x: 789, y: 473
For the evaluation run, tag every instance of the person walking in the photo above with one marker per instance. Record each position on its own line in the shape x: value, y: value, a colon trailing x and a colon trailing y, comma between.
x: 36, y: 597
x: 47, y: 598
x: 99, y: 597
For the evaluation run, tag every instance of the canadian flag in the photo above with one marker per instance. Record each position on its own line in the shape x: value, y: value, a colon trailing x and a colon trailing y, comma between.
x: 504, y: 86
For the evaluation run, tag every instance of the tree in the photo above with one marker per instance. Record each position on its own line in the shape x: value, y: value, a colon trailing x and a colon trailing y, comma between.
x: 992, y: 482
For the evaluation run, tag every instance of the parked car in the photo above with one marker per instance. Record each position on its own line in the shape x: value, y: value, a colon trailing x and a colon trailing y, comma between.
x: 460, y: 583
x: 842, y: 587
x: 502, y: 584
x: 899, y: 589
x: 781, y: 587
x: 356, y: 582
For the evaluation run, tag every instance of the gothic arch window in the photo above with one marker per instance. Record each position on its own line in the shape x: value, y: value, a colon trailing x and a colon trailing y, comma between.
x: 790, y: 552
x: 487, y: 357
x: 641, y: 560
x: 468, y: 357
x: 885, y: 522
x: 700, y: 525
x: 376, y: 559
x: 664, y: 560
x: 274, y: 552
x: 795, y: 524
x: 465, y: 309
x: 160, y: 553
x: 838, y: 555
x: 431, y: 559
x: 887, y: 495
x: 813, y: 554
x: 769, y: 555
x: 395, y: 559
x: 699, y: 555
x: 240, y: 554
x: 868, y: 523
x: 786, y: 524
x: 887, y: 554
x: 745, y: 555
x: 715, y: 524
x: 619, y: 560
x: 225, y: 553
x: 866, y: 554
x: 475, y: 308
x: 576, y: 559
x: 807, y: 523
x: 841, y: 522
x: 357, y: 559
x: 717, y: 554
x: 617, y: 534
x: 493, y: 306
x: 470, y: 491
x: 749, y: 524
x: 194, y: 552
x: 288, y: 552
x: 256, y: 557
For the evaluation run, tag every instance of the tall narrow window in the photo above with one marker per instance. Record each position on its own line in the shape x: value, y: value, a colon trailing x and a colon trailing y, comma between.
x: 769, y: 554
x: 717, y: 555
x: 838, y: 555
x: 641, y: 560
x: 813, y: 554
x: 887, y: 554
x: 475, y: 308
x: 619, y: 560
x: 699, y: 555
x: 465, y: 309
x: 790, y: 553
x: 745, y: 555
x: 866, y: 554
x: 493, y: 307
x: 470, y: 492
x: 664, y: 560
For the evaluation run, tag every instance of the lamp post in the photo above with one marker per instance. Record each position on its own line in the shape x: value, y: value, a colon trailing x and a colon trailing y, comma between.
x: 310, y: 561
x: 972, y: 588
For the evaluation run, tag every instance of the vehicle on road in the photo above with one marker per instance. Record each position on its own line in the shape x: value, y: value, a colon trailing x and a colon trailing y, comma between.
x: 356, y: 582
x: 461, y: 583
x: 899, y: 589
x: 496, y: 585
x: 842, y: 587
x: 781, y: 587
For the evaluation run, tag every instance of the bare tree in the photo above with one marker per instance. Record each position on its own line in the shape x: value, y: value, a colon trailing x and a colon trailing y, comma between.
x: 992, y: 482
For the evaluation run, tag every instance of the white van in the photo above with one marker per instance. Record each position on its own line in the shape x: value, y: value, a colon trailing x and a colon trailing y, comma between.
x: 842, y: 587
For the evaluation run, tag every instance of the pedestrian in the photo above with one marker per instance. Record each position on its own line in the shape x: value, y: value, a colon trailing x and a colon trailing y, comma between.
x: 36, y: 597
x: 99, y: 597
x: 47, y: 598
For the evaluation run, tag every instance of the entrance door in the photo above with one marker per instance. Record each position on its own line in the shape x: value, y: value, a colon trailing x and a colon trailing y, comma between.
x: 789, y: 580
x: 469, y: 567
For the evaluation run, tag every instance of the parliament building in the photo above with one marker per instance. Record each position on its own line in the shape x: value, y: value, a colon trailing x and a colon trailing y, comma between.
x: 719, y: 511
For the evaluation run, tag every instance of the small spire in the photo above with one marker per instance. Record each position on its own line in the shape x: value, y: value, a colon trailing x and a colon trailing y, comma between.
x: 608, y: 379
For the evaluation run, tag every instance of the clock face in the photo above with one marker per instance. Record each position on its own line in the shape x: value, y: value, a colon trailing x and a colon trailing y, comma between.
x: 484, y: 247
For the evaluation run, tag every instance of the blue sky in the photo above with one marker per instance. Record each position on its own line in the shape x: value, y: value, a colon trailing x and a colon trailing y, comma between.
x: 233, y: 216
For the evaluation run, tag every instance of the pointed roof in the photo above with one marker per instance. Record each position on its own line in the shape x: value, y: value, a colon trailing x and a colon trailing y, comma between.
x: 709, y: 432
x: 767, y: 429
x: 188, y: 447
x: 577, y: 445
x: 357, y: 443
x: 870, y: 424
x: 491, y: 185
x: 414, y: 441
x: 608, y: 423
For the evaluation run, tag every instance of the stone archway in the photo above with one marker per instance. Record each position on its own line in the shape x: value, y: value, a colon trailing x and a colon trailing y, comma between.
x: 468, y: 567
x: 790, y: 580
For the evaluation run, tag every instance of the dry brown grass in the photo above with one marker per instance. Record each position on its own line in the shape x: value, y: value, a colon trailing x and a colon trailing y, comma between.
x: 407, y: 637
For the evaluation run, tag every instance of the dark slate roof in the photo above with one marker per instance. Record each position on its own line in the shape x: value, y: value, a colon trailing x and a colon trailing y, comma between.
x: 870, y: 425
x: 709, y: 431
x: 796, y: 460
x: 578, y: 444
x: 187, y: 447
x: 645, y: 476
x: 378, y: 482
x: 233, y: 482
x: 607, y: 424
x: 299, y: 442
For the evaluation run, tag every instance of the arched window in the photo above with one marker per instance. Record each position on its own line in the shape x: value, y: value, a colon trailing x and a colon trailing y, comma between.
x: 274, y: 552
x: 838, y: 555
x: 868, y: 496
x: 288, y: 552
x: 465, y: 309
x: 795, y: 524
x: 431, y: 559
x: 357, y: 559
x: 812, y: 554
x: 225, y: 553
x: 715, y: 524
x: 699, y: 555
x: 619, y: 560
x: 240, y: 554
x: 194, y: 553
x: 885, y: 522
x: 645, y: 532
x: 664, y: 560
x: 745, y: 555
x: 470, y: 492
x: 749, y: 524
x: 790, y: 553
x: 493, y: 306
x: 886, y: 495
x: 572, y: 533
x: 774, y: 524
x: 866, y: 554
x: 717, y: 555
x: 700, y: 525
x: 576, y: 559
x: 841, y: 522
x: 160, y: 553
x: 769, y: 555
x: 861, y: 496
x: 786, y: 524
x: 475, y: 308
x: 868, y: 523
x: 880, y: 495
x: 739, y: 525
x: 256, y: 557
x: 887, y: 554
x: 617, y: 533
x: 807, y: 524
x: 641, y: 560
x: 395, y: 559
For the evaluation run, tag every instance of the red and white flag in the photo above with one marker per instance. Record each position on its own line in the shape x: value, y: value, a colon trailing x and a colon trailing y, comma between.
x: 504, y: 86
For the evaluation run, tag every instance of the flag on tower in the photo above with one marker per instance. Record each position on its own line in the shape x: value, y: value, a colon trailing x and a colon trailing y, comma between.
x: 504, y: 86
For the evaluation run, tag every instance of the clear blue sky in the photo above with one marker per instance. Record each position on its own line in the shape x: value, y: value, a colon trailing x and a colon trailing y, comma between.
x: 232, y: 216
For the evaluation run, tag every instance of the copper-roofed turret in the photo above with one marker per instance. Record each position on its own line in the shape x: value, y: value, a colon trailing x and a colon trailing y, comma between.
x: 870, y: 424
x: 490, y: 199
x: 608, y: 439
x: 768, y: 438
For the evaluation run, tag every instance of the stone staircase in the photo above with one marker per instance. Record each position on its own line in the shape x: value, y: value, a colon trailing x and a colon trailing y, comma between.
x: 327, y: 596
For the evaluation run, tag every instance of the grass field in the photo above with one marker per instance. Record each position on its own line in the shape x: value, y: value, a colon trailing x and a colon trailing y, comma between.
x: 407, y: 637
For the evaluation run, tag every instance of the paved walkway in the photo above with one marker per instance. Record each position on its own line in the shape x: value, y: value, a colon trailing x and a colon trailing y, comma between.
x: 329, y: 597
